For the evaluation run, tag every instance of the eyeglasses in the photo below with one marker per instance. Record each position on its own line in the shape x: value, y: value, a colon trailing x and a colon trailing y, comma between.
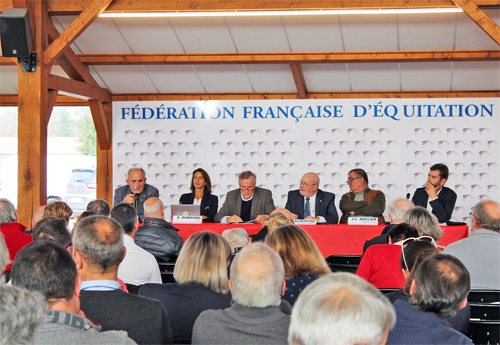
x: 247, y: 188
x: 302, y: 183
x: 409, y: 240
x: 352, y: 179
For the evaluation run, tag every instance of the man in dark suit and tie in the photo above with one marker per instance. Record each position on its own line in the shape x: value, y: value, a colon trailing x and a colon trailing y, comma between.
x: 309, y: 202
x: 440, y: 198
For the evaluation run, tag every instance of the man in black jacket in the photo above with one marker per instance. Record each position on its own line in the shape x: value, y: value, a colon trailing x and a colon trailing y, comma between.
x: 156, y: 235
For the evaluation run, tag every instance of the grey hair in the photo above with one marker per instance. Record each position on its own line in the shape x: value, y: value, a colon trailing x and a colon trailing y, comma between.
x: 341, y: 309
x: 237, y: 237
x: 257, y: 275
x: 4, y: 257
x: 425, y: 222
x: 21, y: 313
x: 244, y: 175
x: 398, y: 208
x: 7, y: 212
x: 136, y: 168
x: 100, y: 241
x: 154, y: 208
x: 485, y: 218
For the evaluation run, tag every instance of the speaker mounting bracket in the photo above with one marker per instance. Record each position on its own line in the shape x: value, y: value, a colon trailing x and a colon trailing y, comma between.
x: 29, y: 63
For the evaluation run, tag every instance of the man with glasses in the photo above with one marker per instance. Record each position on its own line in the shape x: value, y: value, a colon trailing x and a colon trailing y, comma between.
x: 361, y: 200
x: 441, y: 199
x: 310, y: 202
x: 248, y: 203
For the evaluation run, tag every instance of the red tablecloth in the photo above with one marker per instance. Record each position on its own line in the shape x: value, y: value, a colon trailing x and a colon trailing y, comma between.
x: 338, y: 239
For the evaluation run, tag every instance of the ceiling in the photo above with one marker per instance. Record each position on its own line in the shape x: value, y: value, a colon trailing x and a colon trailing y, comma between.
x: 278, y: 38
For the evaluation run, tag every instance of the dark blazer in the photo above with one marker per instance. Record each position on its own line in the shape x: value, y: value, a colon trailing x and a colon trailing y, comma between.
x: 325, y: 205
x: 208, y: 206
x: 148, y: 192
x: 442, y: 207
x: 262, y: 203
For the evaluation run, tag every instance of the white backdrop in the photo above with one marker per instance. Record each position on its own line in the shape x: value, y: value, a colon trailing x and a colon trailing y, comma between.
x: 394, y: 140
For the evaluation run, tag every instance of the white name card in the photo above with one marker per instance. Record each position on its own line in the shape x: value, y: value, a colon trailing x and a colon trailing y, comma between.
x: 187, y: 219
x: 304, y: 221
x: 362, y: 221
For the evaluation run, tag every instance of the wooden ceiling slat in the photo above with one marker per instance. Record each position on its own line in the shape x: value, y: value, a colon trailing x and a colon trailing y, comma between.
x: 480, y: 18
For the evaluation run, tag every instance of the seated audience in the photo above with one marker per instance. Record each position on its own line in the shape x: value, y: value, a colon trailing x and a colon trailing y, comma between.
x: 255, y: 317
x: 279, y: 217
x: 480, y: 252
x: 201, y: 283
x: 341, y: 309
x: 380, y: 264
x: 425, y: 222
x: 301, y: 257
x: 237, y: 239
x: 53, y: 230
x: 395, y: 212
x: 47, y: 268
x: 37, y: 215
x: 99, y: 206
x: 413, y: 254
x: 98, y: 250
x: 201, y: 194
x: 21, y: 313
x: 13, y: 232
x: 156, y: 235
x: 138, y: 266
x: 439, y: 289
x: 58, y: 209
x: 85, y: 214
x: 4, y: 258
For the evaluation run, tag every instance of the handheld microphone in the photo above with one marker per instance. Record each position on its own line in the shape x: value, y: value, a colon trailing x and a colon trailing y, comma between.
x: 407, y: 196
x: 136, y: 200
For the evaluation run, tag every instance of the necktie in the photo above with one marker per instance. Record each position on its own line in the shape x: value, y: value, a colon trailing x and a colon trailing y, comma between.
x: 307, y: 211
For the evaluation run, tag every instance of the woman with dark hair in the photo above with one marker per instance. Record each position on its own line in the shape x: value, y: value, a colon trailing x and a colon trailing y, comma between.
x: 413, y: 253
x: 201, y: 189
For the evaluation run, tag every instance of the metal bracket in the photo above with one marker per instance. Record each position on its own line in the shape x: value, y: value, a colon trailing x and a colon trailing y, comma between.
x: 29, y: 63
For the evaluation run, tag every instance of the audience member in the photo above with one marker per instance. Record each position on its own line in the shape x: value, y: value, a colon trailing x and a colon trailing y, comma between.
x: 47, y: 268
x: 58, y: 209
x: 480, y: 252
x: 425, y: 222
x: 237, y: 239
x: 380, y: 265
x: 37, y: 215
x: 21, y: 313
x: 138, y: 266
x: 412, y: 255
x: 279, y: 217
x: 341, y: 309
x: 257, y: 283
x: 395, y: 212
x: 98, y: 250
x: 301, y: 257
x: 13, y: 232
x: 4, y: 258
x: 99, y: 206
x: 85, y: 214
x: 439, y: 289
x: 156, y: 235
x: 201, y: 283
x: 54, y: 230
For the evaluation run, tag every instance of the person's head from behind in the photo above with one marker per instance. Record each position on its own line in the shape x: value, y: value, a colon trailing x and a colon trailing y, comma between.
x: 425, y: 222
x: 126, y: 215
x: 58, y: 209
x: 440, y: 286
x: 279, y: 217
x: 53, y: 231
x: 298, y: 251
x: 341, y: 309
x: 203, y: 259
x: 7, y: 212
x: 397, y: 209
x: 85, y: 214
x: 412, y: 255
x: 257, y: 277
x: 37, y: 215
x: 99, y: 206
x: 98, y: 244
x: 153, y: 208
x: 48, y: 268
x: 237, y: 238
x: 21, y: 313
x: 401, y: 232
x: 486, y: 215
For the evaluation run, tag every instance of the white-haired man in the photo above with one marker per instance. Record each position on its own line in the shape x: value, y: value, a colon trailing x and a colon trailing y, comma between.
x: 341, y: 309
x: 257, y: 284
x: 237, y: 239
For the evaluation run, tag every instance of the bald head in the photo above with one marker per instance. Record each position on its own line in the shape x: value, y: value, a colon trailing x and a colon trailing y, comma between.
x: 153, y: 208
x: 397, y: 209
x: 37, y: 215
x: 283, y: 211
x: 486, y: 215
x: 309, y: 184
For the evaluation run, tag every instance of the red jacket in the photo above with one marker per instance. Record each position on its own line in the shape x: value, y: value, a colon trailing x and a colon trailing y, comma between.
x: 15, y: 239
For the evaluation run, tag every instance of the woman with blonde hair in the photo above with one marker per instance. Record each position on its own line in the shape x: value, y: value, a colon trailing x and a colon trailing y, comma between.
x: 201, y: 283
x: 301, y: 257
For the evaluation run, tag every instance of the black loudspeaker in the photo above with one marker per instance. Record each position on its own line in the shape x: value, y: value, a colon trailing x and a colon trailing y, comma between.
x: 15, y: 33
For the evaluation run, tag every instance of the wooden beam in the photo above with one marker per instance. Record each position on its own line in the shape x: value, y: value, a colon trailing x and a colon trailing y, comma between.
x: 71, y: 33
x: 101, y: 126
x: 61, y: 101
x: 104, y: 173
x: 51, y: 100
x: 300, y: 82
x: 480, y: 18
x: 78, y: 89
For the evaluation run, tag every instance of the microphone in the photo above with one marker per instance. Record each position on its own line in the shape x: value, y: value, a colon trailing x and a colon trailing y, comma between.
x: 136, y: 200
x: 407, y: 196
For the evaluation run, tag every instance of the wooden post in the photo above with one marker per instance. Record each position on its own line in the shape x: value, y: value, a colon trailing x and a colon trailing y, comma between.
x: 105, y: 162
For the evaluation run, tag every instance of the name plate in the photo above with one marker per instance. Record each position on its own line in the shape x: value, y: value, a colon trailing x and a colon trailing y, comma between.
x: 362, y: 221
x: 187, y: 219
x: 304, y: 221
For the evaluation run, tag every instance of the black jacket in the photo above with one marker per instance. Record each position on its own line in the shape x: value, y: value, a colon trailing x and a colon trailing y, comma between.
x: 442, y: 207
x: 160, y: 238
x: 208, y: 207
